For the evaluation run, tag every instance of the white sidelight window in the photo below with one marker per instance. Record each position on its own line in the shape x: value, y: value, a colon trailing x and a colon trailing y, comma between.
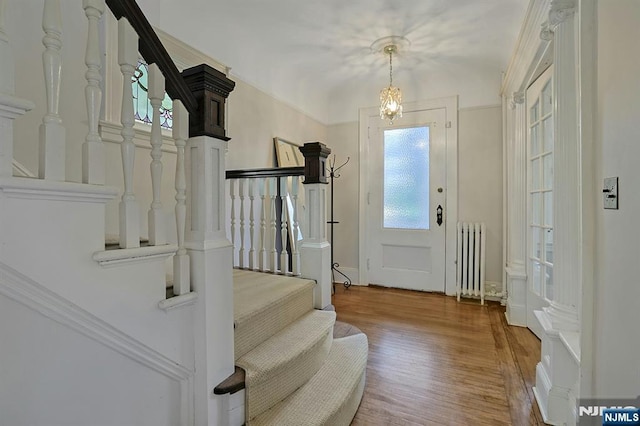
x: 540, y: 145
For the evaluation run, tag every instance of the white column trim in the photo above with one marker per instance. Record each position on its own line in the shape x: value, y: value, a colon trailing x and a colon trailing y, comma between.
x: 567, y: 218
x: 565, y: 370
x: 587, y: 66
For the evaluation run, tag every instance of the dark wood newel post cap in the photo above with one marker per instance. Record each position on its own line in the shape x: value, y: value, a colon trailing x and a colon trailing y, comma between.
x: 315, y: 159
x: 211, y: 88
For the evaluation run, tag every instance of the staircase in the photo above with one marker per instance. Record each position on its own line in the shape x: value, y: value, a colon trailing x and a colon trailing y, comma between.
x: 296, y: 373
x: 90, y: 325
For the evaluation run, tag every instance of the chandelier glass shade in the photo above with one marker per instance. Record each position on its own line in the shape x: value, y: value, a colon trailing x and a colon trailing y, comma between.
x: 390, y: 97
x: 390, y: 103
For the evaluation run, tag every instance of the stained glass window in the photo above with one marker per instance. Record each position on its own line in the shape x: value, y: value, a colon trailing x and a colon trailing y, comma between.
x: 141, y: 104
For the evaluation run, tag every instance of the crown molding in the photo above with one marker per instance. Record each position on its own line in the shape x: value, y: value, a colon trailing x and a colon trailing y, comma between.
x: 529, y: 49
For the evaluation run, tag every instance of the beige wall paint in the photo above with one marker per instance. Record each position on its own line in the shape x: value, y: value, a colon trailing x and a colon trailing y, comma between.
x: 255, y: 118
x: 479, y: 192
x: 343, y: 140
x: 480, y: 179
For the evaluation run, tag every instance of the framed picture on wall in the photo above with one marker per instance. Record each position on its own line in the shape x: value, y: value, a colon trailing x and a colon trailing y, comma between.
x: 287, y: 153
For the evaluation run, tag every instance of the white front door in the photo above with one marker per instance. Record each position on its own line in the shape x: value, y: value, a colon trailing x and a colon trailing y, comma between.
x: 405, y: 207
x: 540, y: 143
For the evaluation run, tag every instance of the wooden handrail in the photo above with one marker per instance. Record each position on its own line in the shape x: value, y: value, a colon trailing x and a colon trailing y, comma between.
x: 262, y: 173
x: 154, y: 52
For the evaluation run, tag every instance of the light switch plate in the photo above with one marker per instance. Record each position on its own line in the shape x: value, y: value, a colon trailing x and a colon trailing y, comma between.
x: 610, y: 193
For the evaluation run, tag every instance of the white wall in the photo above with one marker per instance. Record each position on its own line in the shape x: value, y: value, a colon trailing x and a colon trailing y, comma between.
x: 54, y: 375
x: 480, y: 180
x: 617, y: 335
x: 480, y: 184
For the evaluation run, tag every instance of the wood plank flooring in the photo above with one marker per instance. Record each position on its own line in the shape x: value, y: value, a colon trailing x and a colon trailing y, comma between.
x: 434, y: 361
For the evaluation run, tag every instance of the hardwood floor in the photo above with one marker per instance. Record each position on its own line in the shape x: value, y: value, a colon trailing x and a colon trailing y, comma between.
x: 434, y: 361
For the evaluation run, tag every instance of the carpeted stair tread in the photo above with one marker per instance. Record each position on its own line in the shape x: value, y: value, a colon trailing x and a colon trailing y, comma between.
x: 283, y: 363
x: 264, y: 304
x: 331, y: 397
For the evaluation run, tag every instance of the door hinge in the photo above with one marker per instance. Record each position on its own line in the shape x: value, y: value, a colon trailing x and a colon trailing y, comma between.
x: 448, y: 125
x: 369, y: 198
x: 368, y: 132
x: 368, y: 263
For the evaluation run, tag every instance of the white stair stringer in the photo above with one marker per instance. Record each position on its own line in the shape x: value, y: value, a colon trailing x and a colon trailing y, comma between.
x: 332, y: 396
x: 63, y: 356
x: 54, y: 229
x: 286, y: 361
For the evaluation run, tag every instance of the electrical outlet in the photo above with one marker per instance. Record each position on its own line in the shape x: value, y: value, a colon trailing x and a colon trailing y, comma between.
x: 610, y: 193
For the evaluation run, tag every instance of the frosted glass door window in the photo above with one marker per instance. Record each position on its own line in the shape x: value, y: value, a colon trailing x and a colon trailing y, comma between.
x: 406, y: 178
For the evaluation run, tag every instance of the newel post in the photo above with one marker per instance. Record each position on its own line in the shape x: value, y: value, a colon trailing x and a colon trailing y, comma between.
x: 210, y: 252
x: 315, y: 251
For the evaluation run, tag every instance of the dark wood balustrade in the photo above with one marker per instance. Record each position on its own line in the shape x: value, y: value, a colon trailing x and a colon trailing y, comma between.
x: 202, y: 89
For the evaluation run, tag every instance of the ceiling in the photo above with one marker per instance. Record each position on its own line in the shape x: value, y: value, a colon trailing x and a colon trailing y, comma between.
x: 316, y: 56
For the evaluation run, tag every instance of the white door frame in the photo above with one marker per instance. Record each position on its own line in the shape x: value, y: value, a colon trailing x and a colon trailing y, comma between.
x: 450, y: 105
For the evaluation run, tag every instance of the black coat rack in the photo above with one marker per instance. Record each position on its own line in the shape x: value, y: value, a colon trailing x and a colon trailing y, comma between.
x: 333, y: 174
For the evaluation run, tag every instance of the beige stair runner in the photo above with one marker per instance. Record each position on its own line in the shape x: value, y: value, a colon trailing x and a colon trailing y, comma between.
x: 264, y: 304
x: 273, y: 373
x: 333, y: 394
x: 296, y: 373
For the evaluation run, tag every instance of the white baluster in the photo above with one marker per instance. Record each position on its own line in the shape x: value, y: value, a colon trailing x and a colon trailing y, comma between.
x: 295, y: 181
x: 284, y: 254
x: 129, y: 211
x: 252, y: 248
x: 241, y: 192
x: 273, y: 254
x: 263, y: 226
x: 181, y: 271
x: 232, y: 194
x: 52, y: 134
x: 10, y: 106
x: 93, y: 165
x: 157, y: 230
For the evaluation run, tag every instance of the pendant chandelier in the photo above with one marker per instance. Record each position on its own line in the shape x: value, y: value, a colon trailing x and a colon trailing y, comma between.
x: 390, y: 97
